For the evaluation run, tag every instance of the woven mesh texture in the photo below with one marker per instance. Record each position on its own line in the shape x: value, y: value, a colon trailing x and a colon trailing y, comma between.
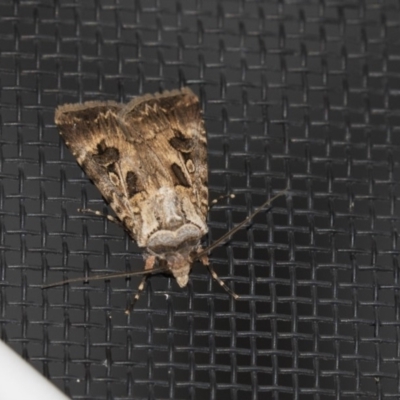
x: 304, y: 94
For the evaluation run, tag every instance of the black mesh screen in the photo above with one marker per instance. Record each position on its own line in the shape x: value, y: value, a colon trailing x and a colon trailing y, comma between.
x: 298, y: 94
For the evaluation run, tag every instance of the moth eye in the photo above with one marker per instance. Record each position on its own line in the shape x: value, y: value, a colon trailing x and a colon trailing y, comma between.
x: 181, y: 143
x: 177, y: 170
x: 132, y: 183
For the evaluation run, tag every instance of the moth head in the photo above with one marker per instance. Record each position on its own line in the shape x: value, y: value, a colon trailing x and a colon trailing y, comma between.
x: 174, y: 248
x: 179, y: 266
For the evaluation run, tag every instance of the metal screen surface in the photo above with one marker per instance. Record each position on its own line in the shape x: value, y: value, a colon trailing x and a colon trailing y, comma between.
x: 303, y: 95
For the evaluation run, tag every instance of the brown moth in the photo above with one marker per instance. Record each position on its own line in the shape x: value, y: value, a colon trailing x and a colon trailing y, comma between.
x: 148, y: 158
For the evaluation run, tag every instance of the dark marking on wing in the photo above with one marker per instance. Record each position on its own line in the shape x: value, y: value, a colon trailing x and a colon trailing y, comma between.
x: 176, y: 169
x: 106, y: 155
x: 181, y: 143
x: 131, y: 183
x: 111, y: 169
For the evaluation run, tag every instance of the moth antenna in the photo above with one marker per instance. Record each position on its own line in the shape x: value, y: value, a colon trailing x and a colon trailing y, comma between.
x: 105, y: 277
x: 227, y: 235
x: 135, y: 298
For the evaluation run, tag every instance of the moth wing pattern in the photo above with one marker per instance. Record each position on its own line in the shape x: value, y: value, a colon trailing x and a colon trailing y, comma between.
x: 173, y: 121
x: 148, y: 158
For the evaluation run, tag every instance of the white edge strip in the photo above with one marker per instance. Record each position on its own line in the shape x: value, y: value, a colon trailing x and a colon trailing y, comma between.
x: 19, y: 380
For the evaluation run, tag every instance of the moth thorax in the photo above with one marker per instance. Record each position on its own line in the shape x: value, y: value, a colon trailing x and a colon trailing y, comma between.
x: 179, y: 267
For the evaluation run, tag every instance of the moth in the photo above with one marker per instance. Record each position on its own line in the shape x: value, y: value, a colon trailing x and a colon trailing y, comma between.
x: 148, y: 158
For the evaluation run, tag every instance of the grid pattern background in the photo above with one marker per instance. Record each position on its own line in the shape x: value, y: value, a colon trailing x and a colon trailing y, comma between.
x: 299, y: 94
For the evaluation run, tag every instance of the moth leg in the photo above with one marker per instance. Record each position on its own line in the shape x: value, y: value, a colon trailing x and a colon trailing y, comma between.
x: 204, y: 260
x: 221, y: 282
x: 100, y: 214
x: 150, y: 261
x: 218, y: 199
x: 135, y: 298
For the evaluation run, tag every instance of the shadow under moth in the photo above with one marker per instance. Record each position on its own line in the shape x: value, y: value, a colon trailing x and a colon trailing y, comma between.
x: 148, y: 158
